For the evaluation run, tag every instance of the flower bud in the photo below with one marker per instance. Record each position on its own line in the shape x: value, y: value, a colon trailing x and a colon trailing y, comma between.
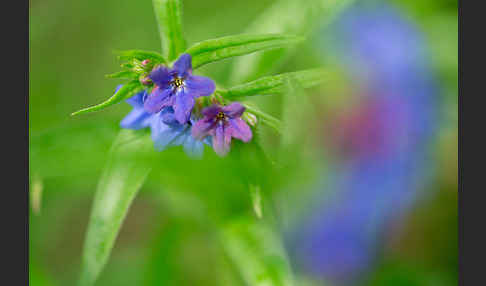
x: 145, y: 80
x: 250, y: 118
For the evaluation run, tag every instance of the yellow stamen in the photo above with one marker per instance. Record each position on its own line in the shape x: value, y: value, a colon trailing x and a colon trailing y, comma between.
x: 178, y: 82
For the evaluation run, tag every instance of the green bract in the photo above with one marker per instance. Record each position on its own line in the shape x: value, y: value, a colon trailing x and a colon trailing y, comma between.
x: 126, y: 91
x: 140, y: 55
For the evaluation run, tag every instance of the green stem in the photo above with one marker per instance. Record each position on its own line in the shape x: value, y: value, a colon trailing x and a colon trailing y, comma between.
x: 168, y: 14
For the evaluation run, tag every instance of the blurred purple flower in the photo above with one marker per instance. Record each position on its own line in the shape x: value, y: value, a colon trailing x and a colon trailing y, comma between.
x: 177, y: 88
x: 383, y: 140
x: 222, y: 123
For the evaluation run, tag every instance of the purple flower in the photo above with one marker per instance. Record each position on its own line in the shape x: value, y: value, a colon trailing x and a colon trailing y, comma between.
x: 177, y: 88
x: 222, y: 123
x: 166, y: 131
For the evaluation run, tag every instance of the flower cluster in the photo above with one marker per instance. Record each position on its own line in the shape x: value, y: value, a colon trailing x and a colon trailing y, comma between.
x: 168, y: 109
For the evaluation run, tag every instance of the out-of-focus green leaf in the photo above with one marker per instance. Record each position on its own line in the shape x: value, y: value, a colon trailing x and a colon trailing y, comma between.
x: 140, y: 55
x: 221, y: 48
x: 123, y: 75
x: 126, y: 91
x: 122, y: 177
x: 277, y: 84
x: 296, y: 109
x: 289, y: 17
x: 257, y: 252
x: 256, y: 199
x: 169, y: 18
x: 37, y: 275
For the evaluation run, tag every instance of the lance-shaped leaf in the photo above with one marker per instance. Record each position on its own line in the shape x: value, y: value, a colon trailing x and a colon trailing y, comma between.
x: 169, y: 18
x: 289, y: 17
x: 126, y: 91
x: 277, y: 84
x: 231, y: 46
x: 122, y: 177
x: 140, y: 55
x: 257, y: 252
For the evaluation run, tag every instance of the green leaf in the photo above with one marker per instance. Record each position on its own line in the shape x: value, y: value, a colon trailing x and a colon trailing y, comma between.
x: 122, y: 177
x: 277, y: 84
x: 169, y: 19
x: 140, y: 55
x: 231, y: 46
x: 257, y: 252
x: 123, y: 75
x: 126, y: 91
x: 288, y: 17
x: 256, y: 200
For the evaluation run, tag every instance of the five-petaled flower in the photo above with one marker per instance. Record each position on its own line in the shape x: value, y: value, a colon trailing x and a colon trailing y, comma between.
x: 222, y: 123
x: 177, y: 88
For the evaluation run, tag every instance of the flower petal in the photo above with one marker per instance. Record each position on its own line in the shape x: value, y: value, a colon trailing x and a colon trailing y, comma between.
x: 193, y: 148
x: 167, y: 116
x: 184, y: 132
x: 164, y: 135
x: 183, y: 105
x: 234, y: 110
x: 202, y: 128
x: 221, y: 140
x: 211, y: 111
x: 138, y: 118
x: 239, y: 129
x: 183, y: 65
x: 137, y: 99
x: 161, y: 76
x: 199, y: 85
x: 159, y: 99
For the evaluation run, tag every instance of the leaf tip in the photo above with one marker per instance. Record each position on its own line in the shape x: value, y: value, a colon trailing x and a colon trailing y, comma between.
x: 76, y: 112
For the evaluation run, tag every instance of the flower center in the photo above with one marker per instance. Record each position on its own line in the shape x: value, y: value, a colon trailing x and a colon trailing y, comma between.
x: 220, y: 116
x: 177, y: 82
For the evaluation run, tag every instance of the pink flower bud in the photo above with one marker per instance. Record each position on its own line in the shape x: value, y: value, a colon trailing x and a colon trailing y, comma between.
x: 145, y: 80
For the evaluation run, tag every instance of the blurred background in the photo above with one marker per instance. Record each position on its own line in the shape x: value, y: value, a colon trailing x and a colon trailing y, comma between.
x: 364, y: 191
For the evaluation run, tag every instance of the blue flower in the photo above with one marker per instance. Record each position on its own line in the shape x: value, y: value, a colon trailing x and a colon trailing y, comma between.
x: 177, y: 88
x: 138, y: 118
x: 166, y: 131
